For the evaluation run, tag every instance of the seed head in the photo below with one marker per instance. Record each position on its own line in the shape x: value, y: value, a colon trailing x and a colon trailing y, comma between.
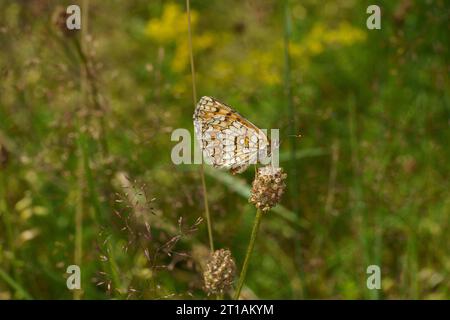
x: 219, y: 272
x: 268, y: 187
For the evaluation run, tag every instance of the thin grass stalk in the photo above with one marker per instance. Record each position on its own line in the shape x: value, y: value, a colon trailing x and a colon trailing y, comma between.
x: 90, y: 80
x: 15, y: 285
x: 378, y: 244
x: 86, y: 184
x: 194, y: 97
x: 329, y: 202
x: 289, y: 100
x: 358, y: 205
x: 248, y: 255
x: 81, y: 206
x: 6, y: 215
x: 294, y: 189
x: 114, y: 269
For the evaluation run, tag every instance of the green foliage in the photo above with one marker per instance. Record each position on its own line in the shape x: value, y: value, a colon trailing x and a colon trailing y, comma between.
x: 85, y: 170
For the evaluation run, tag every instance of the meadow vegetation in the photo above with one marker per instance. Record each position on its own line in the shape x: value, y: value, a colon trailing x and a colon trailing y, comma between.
x: 86, y: 176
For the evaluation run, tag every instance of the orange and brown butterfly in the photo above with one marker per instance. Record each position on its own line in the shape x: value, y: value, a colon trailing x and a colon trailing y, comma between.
x: 227, y: 139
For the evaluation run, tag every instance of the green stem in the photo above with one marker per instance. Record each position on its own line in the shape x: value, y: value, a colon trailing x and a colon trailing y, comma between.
x: 4, y: 212
x: 19, y: 289
x: 80, y: 207
x: 293, y: 182
x: 194, y: 97
x: 114, y: 269
x: 79, y: 211
x: 8, y: 222
x: 289, y: 102
x: 251, y: 245
x: 205, y: 200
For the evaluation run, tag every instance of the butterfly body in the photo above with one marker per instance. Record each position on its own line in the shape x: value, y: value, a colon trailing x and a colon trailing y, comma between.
x: 227, y: 139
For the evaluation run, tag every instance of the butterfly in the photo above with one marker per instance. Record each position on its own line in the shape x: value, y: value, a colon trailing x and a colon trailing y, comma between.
x: 227, y: 139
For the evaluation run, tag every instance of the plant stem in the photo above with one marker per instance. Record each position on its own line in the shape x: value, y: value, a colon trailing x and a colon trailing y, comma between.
x: 251, y: 245
x: 78, y: 254
x: 79, y: 211
x: 19, y: 289
x: 358, y: 206
x: 289, y: 101
x: 6, y: 215
x: 205, y: 200
x: 294, y: 188
x: 194, y: 97
x: 4, y: 212
x: 191, y: 53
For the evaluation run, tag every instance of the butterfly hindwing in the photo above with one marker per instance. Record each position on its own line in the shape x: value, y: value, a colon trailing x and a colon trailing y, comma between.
x: 227, y: 139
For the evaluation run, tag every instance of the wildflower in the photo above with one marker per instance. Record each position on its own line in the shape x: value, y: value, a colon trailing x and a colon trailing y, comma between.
x: 219, y: 272
x: 322, y: 37
x: 268, y: 187
x: 172, y: 23
x: 262, y: 65
x: 172, y: 27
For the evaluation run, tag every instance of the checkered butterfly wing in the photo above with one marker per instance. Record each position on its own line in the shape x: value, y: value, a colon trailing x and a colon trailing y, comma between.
x: 226, y: 138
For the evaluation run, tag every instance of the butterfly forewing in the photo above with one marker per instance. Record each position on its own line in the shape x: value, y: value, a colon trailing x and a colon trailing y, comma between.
x: 227, y: 139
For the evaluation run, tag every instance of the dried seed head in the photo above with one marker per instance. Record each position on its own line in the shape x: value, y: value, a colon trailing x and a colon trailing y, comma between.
x: 219, y: 272
x: 268, y: 187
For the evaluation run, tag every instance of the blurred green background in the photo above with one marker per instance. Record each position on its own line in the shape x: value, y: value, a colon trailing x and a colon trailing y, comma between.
x: 85, y: 132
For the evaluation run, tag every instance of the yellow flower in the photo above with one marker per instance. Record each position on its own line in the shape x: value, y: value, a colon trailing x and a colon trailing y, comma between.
x: 222, y: 71
x: 181, y: 57
x: 203, y: 41
x: 263, y: 66
x: 322, y: 36
x: 199, y: 43
x: 345, y: 34
x: 172, y: 27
